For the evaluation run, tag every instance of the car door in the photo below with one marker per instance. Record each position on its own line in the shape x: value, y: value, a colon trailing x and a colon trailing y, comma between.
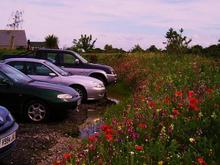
x: 8, y: 94
x: 40, y: 72
x: 69, y: 64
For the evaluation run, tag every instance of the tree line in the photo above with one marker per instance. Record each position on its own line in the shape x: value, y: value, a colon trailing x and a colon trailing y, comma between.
x: 176, y: 43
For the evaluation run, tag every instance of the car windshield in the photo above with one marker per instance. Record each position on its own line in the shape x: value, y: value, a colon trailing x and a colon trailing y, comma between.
x: 81, y: 58
x: 15, y: 74
x: 57, y: 69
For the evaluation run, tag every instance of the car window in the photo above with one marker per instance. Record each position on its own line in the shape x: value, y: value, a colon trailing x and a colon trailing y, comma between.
x: 68, y: 58
x: 52, y: 57
x: 37, y: 69
x: 18, y: 65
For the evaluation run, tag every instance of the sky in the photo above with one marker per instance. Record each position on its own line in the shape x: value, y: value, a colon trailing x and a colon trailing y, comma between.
x: 121, y: 23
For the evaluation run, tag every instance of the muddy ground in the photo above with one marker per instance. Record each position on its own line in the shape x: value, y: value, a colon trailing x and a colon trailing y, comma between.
x: 42, y: 144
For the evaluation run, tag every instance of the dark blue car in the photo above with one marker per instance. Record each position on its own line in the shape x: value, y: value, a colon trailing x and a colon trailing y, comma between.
x: 8, y: 128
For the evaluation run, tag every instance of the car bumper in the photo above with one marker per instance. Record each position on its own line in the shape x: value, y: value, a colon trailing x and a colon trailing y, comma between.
x: 65, y: 105
x: 96, y: 93
x: 7, y: 149
x: 111, y: 78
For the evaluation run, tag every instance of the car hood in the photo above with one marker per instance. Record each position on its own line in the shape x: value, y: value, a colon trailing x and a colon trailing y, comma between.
x: 105, y: 68
x: 83, y: 80
x: 51, y: 86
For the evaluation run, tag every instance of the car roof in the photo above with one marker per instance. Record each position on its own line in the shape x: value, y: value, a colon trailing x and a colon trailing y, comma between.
x: 25, y: 59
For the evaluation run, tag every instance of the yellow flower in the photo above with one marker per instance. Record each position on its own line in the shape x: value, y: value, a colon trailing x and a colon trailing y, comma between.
x: 192, y: 140
x: 160, y: 162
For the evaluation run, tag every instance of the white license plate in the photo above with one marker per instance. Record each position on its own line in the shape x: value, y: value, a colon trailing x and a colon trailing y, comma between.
x: 7, y: 140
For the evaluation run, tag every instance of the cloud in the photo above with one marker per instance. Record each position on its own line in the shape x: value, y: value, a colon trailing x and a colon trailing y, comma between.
x: 121, y: 23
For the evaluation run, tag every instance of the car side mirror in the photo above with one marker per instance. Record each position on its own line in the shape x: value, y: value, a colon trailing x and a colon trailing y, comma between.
x: 76, y: 61
x: 52, y: 75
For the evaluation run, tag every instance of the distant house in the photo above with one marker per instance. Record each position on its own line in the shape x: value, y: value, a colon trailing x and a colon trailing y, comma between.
x: 13, y: 39
x: 32, y: 45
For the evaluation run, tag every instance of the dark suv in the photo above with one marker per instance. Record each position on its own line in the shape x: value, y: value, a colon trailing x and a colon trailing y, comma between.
x: 34, y: 100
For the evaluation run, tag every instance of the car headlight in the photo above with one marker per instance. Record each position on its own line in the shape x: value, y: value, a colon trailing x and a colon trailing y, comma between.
x: 112, y: 71
x: 98, y: 85
x: 65, y: 97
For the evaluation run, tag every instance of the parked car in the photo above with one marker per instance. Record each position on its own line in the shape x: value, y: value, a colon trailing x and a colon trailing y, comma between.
x: 89, y: 88
x: 72, y: 62
x: 34, y: 100
x: 8, y: 128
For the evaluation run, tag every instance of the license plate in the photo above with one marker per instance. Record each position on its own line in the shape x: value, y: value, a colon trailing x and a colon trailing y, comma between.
x: 7, y: 140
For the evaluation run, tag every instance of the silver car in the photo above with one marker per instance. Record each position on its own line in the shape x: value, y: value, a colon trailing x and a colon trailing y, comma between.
x: 89, y: 88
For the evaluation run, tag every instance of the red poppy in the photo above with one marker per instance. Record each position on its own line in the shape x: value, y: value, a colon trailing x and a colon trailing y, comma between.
x: 151, y: 104
x: 193, y: 104
x: 201, y: 161
x: 209, y: 91
x: 175, y: 112
x: 92, y: 138
x: 104, y: 127
x: 109, y: 137
x: 190, y: 94
x: 142, y: 125
x: 67, y: 155
x: 178, y: 94
x: 167, y: 100
x: 138, y: 148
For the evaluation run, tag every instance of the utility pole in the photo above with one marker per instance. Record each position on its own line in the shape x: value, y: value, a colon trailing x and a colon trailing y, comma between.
x: 17, y: 20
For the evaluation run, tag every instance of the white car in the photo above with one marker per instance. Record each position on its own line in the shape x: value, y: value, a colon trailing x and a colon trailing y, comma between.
x: 89, y: 88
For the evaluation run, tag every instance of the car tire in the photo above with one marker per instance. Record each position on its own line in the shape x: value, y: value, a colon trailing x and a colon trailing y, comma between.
x: 82, y: 92
x: 101, y: 78
x: 36, y: 111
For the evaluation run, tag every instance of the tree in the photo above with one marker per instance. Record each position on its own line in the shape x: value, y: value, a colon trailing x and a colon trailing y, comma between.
x: 84, y: 43
x: 196, y: 49
x: 110, y: 49
x: 152, y: 48
x: 176, y: 42
x: 51, y: 41
x: 137, y: 48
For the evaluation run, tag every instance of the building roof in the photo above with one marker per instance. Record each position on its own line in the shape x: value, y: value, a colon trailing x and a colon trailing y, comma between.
x: 19, y: 37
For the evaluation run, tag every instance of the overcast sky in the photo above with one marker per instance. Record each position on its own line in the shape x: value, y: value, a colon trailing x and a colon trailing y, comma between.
x: 122, y: 23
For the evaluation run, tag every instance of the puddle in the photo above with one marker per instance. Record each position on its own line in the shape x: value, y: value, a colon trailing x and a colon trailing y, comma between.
x: 94, y: 118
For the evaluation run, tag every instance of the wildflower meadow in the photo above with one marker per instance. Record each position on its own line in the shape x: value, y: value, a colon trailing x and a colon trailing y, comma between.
x: 171, y: 115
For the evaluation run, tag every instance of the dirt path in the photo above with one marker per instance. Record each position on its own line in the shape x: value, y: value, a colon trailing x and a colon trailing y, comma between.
x: 41, y: 144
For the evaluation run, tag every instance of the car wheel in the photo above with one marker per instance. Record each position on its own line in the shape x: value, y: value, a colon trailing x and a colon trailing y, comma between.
x: 36, y: 111
x: 81, y: 91
x: 101, y: 78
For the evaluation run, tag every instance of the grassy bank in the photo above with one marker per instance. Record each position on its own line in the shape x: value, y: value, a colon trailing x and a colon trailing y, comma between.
x: 172, y: 116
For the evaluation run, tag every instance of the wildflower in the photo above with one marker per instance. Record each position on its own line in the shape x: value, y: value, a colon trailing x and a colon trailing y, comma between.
x: 193, y: 104
x: 58, y: 162
x: 67, y: 155
x: 160, y: 162
x: 138, y: 148
x: 151, y: 104
x: 200, y: 114
x: 167, y: 100
x: 104, y: 127
x: 192, y: 140
x: 175, y: 113
x: 142, y: 125
x: 201, y: 161
x: 108, y: 137
x: 178, y: 94
x: 132, y: 153
x: 209, y: 90
x: 92, y: 138
x: 190, y: 94
x: 214, y: 116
